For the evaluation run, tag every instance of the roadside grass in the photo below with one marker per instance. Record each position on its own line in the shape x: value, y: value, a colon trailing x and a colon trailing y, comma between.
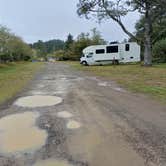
x: 14, y: 77
x: 149, y: 80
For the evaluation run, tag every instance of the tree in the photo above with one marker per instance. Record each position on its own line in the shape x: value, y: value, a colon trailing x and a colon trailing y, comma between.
x: 83, y: 40
x: 12, y: 47
x: 4, y: 39
x: 159, y: 51
x: 96, y: 37
x: 69, y: 41
x: 158, y: 26
x: 59, y: 55
x: 158, y: 33
x: 41, y: 46
x: 54, y: 45
x: 115, y: 10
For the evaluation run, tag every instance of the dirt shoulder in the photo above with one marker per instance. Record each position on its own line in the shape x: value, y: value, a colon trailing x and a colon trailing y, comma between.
x: 14, y: 77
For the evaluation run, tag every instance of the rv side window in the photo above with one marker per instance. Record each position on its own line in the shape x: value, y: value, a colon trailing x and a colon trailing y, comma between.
x: 127, y: 47
x: 100, y: 51
x: 112, y: 49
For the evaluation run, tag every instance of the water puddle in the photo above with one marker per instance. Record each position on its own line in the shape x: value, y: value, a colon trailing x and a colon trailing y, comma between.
x: 73, y: 124
x: 119, y: 89
x: 104, y: 84
x: 107, y: 84
x: 38, y: 101
x: 92, y: 78
x: 18, y: 133
x: 52, y: 162
x: 64, y: 114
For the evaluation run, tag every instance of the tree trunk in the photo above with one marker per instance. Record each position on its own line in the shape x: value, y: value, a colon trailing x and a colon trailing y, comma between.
x: 148, y: 42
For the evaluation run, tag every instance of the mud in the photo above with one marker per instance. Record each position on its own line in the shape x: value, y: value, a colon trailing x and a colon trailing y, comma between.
x: 103, y: 84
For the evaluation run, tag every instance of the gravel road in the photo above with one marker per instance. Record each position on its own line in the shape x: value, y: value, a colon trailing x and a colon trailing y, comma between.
x: 97, y: 123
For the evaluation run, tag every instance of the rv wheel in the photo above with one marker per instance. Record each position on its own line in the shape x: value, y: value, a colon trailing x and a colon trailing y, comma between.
x: 85, y: 63
x: 117, y: 62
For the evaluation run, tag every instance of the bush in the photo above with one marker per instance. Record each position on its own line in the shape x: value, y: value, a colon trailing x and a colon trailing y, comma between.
x: 159, y: 51
x: 59, y: 55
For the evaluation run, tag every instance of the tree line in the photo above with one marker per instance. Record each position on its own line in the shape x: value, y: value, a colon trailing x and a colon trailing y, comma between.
x: 70, y: 49
x: 12, y: 47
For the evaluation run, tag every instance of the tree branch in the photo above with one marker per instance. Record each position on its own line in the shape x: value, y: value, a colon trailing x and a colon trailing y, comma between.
x: 118, y: 21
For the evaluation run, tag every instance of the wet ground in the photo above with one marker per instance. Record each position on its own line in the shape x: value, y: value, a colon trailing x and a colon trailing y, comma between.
x: 66, y: 118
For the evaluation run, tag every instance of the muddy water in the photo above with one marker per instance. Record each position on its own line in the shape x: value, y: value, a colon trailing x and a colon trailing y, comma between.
x: 52, y: 162
x: 73, y: 124
x: 18, y: 133
x: 38, y: 101
x: 103, y: 84
x: 64, y: 114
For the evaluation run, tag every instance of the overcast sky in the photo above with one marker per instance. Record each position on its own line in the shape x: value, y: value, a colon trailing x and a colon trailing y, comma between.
x: 52, y: 19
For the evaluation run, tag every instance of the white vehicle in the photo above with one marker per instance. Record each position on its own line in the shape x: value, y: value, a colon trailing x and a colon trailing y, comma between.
x: 114, y: 53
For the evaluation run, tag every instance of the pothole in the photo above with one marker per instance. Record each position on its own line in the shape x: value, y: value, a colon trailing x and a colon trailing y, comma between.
x: 64, y: 114
x: 18, y: 133
x: 73, y: 124
x: 52, y: 162
x: 119, y: 89
x: 38, y: 101
x: 104, y: 84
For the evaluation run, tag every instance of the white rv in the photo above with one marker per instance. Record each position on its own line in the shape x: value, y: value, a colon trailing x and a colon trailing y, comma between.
x: 113, y: 53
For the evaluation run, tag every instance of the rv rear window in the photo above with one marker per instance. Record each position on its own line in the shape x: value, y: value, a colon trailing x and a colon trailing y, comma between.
x: 127, y: 47
x: 112, y: 49
x: 100, y: 51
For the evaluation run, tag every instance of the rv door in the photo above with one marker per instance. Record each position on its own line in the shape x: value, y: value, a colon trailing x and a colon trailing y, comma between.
x: 90, y: 59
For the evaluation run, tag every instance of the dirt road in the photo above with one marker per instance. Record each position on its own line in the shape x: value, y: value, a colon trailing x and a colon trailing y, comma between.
x: 96, y: 124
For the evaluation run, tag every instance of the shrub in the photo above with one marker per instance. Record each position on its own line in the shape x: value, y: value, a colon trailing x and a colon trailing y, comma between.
x: 159, y: 51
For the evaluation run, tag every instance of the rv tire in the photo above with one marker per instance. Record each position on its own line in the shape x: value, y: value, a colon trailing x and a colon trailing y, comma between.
x: 85, y: 63
x: 117, y: 62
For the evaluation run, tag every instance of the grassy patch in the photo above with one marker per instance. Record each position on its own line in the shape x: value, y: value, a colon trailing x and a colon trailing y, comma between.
x: 149, y: 80
x: 14, y: 76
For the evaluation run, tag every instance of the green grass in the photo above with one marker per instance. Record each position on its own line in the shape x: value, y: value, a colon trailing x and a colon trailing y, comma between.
x: 148, y: 80
x: 14, y: 77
